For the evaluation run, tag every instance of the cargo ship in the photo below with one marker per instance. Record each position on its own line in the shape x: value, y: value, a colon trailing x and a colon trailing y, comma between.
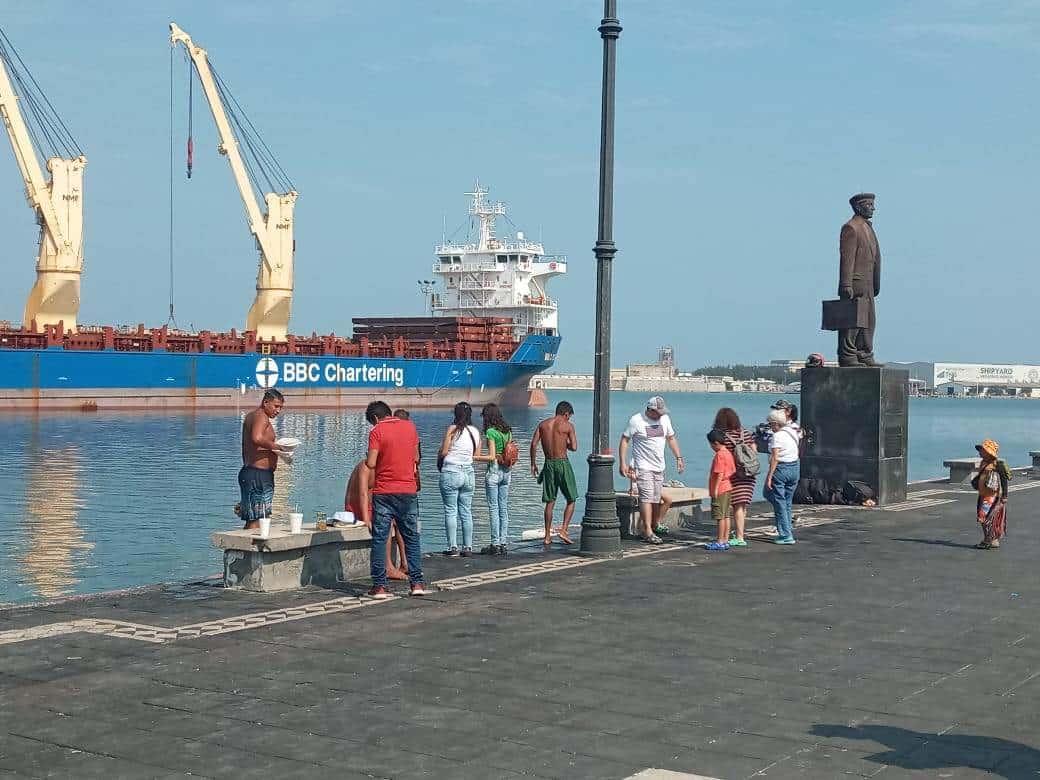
x: 490, y: 326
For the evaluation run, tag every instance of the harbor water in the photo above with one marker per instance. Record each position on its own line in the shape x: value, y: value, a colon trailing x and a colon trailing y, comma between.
x: 93, y: 502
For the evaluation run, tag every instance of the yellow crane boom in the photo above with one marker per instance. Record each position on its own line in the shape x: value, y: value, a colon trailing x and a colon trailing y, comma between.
x: 57, y: 202
x: 273, y: 229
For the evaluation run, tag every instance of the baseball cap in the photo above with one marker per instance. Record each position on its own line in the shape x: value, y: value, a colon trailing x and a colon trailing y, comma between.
x: 781, y: 404
x: 656, y: 403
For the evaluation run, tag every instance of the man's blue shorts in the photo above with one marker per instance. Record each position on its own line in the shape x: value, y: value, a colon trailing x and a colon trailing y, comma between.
x: 257, y: 487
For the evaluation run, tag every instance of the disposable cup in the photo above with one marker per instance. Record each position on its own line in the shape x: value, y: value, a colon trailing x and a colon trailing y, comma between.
x: 296, y: 522
x: 265, y: 527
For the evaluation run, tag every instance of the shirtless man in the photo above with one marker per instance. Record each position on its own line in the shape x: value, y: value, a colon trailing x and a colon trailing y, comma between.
x: 557, y: 437
x: 358, y: 500
x: 259, y: 460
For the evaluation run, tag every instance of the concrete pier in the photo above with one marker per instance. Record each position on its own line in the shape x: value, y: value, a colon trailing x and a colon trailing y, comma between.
x: 881, y: 645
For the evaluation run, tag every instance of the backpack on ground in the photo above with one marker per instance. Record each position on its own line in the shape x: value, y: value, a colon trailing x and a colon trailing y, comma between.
x: 801, y: 493
x: 510, y: 454
x: 856, y: 492
x: 820, y: 491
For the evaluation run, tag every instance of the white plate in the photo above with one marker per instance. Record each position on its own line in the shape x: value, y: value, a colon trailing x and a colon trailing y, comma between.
x: 288, y: 443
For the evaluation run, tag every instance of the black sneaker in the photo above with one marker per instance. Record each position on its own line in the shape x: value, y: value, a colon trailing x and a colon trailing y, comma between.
x: 466, y: 552
x: 503, y: 550
x: 451, y: 552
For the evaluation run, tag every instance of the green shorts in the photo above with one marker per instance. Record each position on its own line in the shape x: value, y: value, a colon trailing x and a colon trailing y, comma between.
x: 720, y: 507
x: 558, y: 477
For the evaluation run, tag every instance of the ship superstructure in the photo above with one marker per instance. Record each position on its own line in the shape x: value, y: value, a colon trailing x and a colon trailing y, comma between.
x: 498, y: 277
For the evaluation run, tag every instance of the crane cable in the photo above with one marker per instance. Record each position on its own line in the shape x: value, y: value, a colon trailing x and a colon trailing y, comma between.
x: 191, y: 114
x: 171, y: 320
x: 49, y: 134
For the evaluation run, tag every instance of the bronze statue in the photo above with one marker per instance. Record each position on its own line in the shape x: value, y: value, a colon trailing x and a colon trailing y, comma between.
x: 859, y: 278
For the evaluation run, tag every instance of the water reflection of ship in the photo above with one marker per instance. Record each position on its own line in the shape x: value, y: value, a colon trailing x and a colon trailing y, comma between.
x: 52, y: 507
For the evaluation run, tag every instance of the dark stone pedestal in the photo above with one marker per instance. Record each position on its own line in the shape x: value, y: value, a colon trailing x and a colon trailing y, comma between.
x: 855, y: 422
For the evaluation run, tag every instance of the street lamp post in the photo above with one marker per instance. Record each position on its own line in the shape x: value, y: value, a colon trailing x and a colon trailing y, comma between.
x: 600, y: 529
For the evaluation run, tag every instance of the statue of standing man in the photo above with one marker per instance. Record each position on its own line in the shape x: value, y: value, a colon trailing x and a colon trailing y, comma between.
x: 859, y: 277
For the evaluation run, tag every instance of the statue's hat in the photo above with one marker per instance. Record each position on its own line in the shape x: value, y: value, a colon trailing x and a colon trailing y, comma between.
x: 861, y: 196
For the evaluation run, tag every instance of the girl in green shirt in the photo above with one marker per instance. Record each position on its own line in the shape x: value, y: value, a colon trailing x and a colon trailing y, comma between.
x: 496, y: 483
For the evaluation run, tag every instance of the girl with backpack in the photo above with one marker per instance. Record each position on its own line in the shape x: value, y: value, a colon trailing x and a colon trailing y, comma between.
x: 461, y: 446
x: 741, y: 444
x: 502, y: 456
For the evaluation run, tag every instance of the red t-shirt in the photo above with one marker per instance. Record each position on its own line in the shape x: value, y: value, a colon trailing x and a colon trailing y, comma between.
x: 723, y: 468
x: 396, y: 441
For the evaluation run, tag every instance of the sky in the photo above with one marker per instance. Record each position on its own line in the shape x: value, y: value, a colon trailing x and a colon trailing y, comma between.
x: 742, y: 129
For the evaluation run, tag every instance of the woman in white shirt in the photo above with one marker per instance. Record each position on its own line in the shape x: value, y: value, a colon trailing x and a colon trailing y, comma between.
x: 784, y: 472
x: 461, y: 446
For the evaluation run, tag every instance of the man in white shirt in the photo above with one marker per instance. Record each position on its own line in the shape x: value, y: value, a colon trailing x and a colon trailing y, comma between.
x: 647, y: 433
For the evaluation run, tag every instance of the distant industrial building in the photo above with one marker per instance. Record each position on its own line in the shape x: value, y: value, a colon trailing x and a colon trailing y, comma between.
x: 659, y: 377
x: 986, y: 379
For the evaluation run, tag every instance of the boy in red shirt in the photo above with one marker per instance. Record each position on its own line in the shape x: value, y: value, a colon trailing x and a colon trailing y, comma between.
x: 393, y: 452
x: 719, y: 488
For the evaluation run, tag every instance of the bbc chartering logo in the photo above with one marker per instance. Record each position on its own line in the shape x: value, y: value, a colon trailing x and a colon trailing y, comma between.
x: 333, y: 372
x: 266, y: 373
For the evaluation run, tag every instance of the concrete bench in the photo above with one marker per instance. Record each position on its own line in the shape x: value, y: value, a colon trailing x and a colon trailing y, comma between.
x: 962, y: 469
x: 685, y: 505
x: 285, y: 560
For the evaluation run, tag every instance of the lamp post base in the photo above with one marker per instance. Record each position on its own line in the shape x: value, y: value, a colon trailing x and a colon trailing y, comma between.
x: 600, y: 529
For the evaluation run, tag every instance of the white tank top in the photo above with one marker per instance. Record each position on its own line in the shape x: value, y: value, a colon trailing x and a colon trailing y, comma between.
x: 460, y: 453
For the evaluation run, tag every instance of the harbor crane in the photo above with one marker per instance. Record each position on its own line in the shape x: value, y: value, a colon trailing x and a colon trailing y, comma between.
x: 57, y: 201
x: 273, y: 230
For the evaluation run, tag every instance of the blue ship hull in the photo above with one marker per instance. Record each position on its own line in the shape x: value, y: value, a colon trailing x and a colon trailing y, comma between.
x: 36, y: 379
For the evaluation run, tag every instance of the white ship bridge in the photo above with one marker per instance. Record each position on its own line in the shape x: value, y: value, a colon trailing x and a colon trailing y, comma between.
x: 497, y: 277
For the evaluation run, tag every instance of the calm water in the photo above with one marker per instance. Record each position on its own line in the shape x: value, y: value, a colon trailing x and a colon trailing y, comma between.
x: 96, y: 502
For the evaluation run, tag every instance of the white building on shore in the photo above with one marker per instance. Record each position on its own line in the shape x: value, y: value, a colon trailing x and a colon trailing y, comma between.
x: 986, y: 379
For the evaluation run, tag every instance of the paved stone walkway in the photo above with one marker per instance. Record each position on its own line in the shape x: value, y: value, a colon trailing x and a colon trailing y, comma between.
x: 882, y: 644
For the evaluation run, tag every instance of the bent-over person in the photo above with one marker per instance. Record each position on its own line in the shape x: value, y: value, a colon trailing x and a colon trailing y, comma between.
x: 358, y: 500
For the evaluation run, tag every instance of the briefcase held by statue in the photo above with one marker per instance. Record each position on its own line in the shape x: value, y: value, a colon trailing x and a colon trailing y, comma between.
x: 846, y: 314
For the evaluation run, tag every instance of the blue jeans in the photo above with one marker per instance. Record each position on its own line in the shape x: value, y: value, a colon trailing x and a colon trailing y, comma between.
x: 785, y: 480
x: 404, y: 508
x: 496, y: 485
x: 457, y: 493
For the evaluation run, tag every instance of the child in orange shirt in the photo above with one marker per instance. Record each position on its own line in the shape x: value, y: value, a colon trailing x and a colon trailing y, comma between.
x: 720, y: 487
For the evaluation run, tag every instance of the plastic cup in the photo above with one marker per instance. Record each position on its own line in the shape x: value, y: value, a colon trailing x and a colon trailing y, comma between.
x: 265, y: 527
x: 296, y: 522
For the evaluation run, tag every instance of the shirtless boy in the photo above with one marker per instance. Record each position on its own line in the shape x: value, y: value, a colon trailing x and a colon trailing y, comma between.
x: 359, y: 501
x: 259, y: 460
x: 557, y: 437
